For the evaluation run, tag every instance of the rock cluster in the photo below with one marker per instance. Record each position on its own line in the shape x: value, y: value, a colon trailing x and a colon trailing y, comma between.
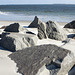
x: 32, y: 59
x: 13, y: 40
x: 49, y: 29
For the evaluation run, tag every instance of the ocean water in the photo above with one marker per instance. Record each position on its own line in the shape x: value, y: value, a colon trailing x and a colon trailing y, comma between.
x: 54, y: 12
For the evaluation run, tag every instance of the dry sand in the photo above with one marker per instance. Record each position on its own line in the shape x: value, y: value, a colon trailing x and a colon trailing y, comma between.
x: 23, y: 23
x: 8, y: 67
x: 6, y: 23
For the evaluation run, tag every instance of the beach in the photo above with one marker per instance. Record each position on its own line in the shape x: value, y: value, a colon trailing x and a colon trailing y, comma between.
x: 55, y: 16
x: 8, y: 66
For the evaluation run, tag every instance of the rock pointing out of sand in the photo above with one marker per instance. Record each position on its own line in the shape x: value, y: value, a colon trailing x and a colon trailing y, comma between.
x: 15, y: 27
x: 41, y: 27
x: 70, y: 25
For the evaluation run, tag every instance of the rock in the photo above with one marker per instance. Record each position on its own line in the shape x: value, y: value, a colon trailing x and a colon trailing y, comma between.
x: 70, y: 25
x: 54, y: 31
x: 30, y: 60
x: 17, y: 41
x: 41, y: 27
x: 14, y: 28
x: 73, y: 37
x: 72, y: 71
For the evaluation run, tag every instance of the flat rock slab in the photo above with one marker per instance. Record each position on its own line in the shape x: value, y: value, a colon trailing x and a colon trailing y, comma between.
x: 31, y: 59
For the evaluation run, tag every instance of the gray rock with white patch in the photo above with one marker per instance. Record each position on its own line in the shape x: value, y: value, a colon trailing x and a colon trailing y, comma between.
x: 54, y: 31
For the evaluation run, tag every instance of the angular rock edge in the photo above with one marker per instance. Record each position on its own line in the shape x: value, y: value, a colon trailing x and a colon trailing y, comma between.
x: 41, y: 26
x: 15, y: 27
x: 70, y: 25
x: 30, y: 60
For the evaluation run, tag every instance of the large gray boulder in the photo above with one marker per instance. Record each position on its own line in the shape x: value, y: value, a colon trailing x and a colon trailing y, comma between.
x: 41, y: 27
x: 70, y: 25
x: 54, y: 31
x: 17, y: 41
x: 33, y: 60
x: 15, y: 27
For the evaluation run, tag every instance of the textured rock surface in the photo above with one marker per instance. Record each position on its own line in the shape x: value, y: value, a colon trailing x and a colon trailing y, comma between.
x: 54, y: 31
x: 41, y: 27
x: 14, y: 28
x: 17, y: 41
x: 70, y: 25
x: 30, y: 60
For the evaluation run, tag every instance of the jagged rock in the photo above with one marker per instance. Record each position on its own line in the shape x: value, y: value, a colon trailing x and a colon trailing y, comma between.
x: 30, y: 60
x: 17, y: 41
x: 41, y: 27
x: 54, y: 31
x: 15, y: 27
x: 70, y: 25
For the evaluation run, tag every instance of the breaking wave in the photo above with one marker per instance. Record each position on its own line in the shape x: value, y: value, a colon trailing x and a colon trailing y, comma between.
x: 3, y: 13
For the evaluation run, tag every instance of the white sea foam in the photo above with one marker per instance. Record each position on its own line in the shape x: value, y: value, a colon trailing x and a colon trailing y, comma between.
x: 4, y: 13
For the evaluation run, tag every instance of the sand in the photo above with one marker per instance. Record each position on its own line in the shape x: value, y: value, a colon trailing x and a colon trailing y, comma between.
x: 8, y: 67
x: 23, y: 23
